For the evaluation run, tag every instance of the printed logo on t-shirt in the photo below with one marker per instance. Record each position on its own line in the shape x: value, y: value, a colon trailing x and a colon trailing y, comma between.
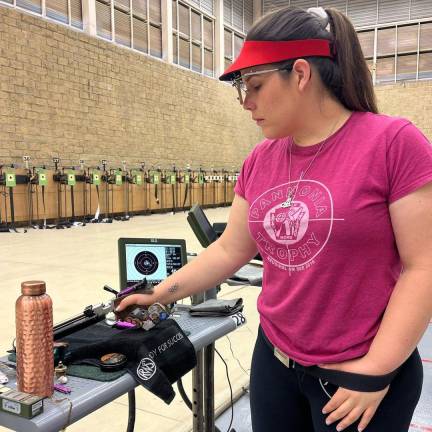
x: 290, y: 238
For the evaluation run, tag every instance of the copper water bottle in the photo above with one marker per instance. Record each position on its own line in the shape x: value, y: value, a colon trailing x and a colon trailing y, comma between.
x: 34, y: 340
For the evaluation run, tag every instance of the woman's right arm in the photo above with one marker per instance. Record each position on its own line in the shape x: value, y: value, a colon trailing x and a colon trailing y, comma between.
x: 214, y: 265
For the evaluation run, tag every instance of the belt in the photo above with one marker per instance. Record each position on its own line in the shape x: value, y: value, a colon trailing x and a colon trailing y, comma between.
x: 348, y: 380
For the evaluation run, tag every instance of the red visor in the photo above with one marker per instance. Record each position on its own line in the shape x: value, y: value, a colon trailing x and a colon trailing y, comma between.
x: 254, y: 53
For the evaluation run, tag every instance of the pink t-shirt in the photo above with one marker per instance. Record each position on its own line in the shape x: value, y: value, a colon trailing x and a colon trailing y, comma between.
x: 330, y: 260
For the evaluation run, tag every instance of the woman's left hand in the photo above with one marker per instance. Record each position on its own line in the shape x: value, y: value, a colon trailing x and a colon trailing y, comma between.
x: 350, y: 405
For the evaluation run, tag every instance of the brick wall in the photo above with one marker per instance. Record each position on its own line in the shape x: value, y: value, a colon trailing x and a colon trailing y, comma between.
x: 412, y: 100
x: 63, y: 93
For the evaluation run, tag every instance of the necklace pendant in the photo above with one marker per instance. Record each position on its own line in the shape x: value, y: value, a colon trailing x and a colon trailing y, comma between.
x: 287, y: 203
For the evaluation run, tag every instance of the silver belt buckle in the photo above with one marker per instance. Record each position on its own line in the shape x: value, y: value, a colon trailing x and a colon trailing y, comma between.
x: 282, y: 357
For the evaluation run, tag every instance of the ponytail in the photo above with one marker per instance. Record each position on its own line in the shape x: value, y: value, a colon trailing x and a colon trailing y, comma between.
x: 357, y: 90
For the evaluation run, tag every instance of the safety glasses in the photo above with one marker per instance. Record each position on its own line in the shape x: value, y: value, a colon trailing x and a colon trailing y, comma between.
x: 240, y: 84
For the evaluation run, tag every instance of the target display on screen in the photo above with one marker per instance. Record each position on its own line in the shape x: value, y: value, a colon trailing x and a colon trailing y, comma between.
x: 153, y: 260
x: 146, y: 263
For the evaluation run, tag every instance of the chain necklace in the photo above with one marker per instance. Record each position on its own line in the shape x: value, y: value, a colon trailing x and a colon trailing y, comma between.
x: 293, y: 192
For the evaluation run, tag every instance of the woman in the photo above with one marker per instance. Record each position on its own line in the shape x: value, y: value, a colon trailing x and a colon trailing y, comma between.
x: 337, y: 200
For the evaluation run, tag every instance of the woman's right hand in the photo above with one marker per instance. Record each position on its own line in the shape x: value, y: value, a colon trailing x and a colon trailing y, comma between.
x: 132, y: 300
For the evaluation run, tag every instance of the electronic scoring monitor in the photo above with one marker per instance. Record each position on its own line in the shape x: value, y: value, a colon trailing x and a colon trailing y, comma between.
x: 152, y: 258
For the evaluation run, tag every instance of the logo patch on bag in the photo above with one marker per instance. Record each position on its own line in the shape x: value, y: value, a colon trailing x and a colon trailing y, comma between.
x: 146, y: 368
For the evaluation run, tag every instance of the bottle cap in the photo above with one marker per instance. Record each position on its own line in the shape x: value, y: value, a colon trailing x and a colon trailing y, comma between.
x: 33, y: 288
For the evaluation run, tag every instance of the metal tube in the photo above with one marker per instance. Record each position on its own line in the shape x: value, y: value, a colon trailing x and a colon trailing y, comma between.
x: 197, y: 394
x: 209, y: 415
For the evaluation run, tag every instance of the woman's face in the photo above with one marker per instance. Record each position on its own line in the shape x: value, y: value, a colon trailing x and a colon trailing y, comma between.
x: 273, y: 100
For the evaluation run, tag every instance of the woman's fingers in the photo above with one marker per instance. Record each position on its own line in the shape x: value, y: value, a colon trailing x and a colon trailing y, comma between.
x: 342, y: 411
x: 366, y: 418
x: 134, y: 299
x: 338, y: 399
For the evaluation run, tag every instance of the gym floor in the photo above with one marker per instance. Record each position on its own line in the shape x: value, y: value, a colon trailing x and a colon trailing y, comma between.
x: 75, y: 263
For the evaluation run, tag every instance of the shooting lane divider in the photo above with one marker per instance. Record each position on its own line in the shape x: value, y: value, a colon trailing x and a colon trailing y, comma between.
x: 131, y: 189
x: 137, y: 177
x: 174, y: 188
x: 31, y: 176
x: 108, y: 179
x: 117, y: 178
x: 42, y: 181
x: 144, y: 187
x: 38, y: 178
x: 84, y: 179
x: 208, y: 180
x: 201, y: 182
x: 161, y: 189
x: 232, y: 179
x: 56, y: 161
x: 59, y: 179
x: 8, y: 181
x: 186, y: 180
x: 127, y: 180
x: 95, y: 178
x: 195, y: 180
x: 71, y: 182
x: 216, y: 180
x: 122, y: 179
x: 66, y: 177
x: 225, y: 187
x: 154, y: 178
x: 147, y: 191
x: 170, y: 178
x: 75, y: 176
x: 178, y: 188
x: 212, y: 181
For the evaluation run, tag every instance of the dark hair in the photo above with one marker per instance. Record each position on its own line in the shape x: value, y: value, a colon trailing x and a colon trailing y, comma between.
x: 347, y: 76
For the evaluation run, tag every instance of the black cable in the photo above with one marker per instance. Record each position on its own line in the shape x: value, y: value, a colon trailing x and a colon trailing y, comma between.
x: 238, y: 361
x: 132, y: 411
x: 187, y: 401
x: 183, y: 394
x: 231, y: 392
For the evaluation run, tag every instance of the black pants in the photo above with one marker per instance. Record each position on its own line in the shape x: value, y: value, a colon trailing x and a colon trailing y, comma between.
x: 288, y: 400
